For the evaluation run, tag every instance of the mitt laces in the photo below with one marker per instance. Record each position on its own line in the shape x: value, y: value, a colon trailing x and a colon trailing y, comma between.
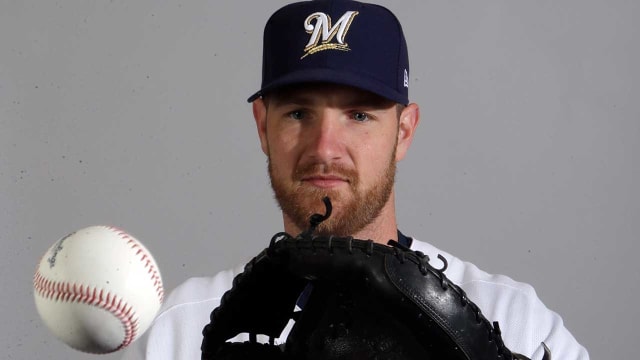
x: 316, y: 219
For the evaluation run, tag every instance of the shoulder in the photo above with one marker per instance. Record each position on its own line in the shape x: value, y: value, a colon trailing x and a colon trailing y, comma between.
x: 468, y: 275
x: 199, y: 289
x: 524, y: 320
x: 176, y: 332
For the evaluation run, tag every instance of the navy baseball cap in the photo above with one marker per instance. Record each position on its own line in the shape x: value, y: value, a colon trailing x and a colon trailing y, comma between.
x: 336, y: 41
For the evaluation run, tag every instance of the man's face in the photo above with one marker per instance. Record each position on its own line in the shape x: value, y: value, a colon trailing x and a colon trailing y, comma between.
x: 336, y: 141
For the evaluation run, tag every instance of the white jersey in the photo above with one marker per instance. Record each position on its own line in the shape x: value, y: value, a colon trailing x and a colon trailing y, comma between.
x: 525, y: 322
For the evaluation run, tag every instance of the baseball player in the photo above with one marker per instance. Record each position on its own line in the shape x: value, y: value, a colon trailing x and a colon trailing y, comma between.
x: 333, y: 117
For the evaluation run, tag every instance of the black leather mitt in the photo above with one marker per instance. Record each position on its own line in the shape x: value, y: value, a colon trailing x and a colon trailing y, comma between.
x: 365, y: 301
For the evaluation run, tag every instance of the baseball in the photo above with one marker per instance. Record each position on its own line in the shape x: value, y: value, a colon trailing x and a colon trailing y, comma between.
x: 98, y: 289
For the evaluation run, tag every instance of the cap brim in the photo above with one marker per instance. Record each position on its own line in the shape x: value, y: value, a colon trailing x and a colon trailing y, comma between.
x: 349, y: 78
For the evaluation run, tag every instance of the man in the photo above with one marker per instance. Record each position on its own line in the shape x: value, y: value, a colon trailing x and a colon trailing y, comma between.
x: 333, y: 118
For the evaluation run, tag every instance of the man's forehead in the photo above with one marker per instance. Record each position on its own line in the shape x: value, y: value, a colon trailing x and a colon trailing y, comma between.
x: 309, y: 93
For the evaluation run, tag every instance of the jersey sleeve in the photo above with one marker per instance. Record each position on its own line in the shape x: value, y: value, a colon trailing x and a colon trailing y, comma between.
x: 177, y: 330
x: 525, y: 322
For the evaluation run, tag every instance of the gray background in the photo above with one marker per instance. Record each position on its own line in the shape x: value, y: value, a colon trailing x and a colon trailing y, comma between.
x: 134, y: 114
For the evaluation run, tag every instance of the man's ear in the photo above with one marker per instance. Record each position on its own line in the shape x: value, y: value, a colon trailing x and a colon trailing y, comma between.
x: 408, y: 122
x: 260, y: 115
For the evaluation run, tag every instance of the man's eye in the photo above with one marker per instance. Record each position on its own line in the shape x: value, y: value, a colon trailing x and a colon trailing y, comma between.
x: 360, y: 116
x: 297, y: 115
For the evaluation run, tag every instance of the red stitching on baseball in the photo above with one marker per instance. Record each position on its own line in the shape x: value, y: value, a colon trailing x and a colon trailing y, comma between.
x: 151, y: 269
x: 63, y: 291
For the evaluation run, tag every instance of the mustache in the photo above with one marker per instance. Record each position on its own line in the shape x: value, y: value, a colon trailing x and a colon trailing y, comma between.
x: 314, y: 169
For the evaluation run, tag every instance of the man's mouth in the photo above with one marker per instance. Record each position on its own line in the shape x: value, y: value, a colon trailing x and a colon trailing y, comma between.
x: 325, y: 181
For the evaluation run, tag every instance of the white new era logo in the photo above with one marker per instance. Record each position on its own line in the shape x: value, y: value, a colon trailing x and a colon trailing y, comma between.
x: 406, y: 78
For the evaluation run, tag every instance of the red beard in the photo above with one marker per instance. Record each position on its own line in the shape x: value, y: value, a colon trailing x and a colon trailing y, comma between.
x: 352, y: 211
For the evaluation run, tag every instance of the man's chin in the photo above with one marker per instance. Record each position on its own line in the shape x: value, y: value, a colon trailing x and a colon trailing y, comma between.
x: 311, y: 196
x: 315, y: 204
x: 300, y: 208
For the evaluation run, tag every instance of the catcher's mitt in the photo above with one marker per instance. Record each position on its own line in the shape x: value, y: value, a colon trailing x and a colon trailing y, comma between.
x: 367, y: 301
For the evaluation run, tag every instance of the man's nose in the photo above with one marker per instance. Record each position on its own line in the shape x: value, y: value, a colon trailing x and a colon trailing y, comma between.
x: 326, y: 138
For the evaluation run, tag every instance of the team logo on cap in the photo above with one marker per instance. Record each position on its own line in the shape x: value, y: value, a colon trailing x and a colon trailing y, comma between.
x: 323, y: 33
